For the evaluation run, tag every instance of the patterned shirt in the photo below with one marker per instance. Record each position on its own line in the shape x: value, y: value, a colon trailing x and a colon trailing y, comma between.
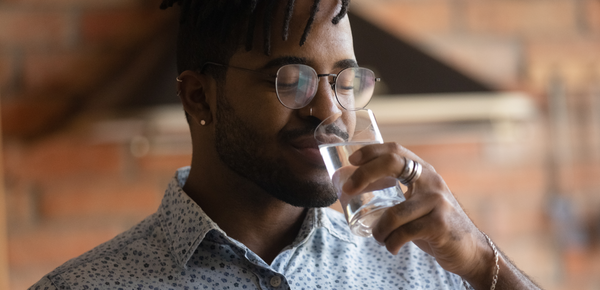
x: 180, y: 247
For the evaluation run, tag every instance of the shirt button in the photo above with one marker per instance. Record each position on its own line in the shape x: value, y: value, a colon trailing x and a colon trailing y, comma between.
x: 275, y: 281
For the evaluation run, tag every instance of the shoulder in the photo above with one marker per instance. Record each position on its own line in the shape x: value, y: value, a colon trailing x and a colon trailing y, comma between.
x: 44, y: 284
x: 124, y: 252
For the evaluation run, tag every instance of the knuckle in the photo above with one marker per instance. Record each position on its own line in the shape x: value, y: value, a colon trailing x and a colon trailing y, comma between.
x: 391, y: 159
x: 401, y: 148
x: 429, y: 167
x: 437, y: 182
x: 439, y: 219
x: 406, y: 208
x: 440, y: 199
x: 443, y: 212
x: 393, y: 164
x: 437, y: 198
x: 394, y: 147
x: 388, y: 157
x: 396, y: 159
x: 413, y: 228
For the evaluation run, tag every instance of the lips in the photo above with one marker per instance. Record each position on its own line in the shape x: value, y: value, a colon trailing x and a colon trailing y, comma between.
x: 307, y: 147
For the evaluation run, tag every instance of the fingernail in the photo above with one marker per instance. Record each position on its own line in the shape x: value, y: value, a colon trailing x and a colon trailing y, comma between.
x: 380, y: 243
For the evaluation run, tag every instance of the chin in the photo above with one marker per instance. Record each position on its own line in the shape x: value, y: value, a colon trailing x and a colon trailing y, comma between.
x: 304, y: 194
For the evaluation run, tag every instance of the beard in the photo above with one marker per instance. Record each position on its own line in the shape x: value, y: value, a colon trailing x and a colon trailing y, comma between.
x: 242, y: 150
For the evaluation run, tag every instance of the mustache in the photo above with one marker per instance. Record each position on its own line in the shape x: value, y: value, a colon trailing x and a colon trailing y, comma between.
x: 335, y: 130
x: 309, y: 129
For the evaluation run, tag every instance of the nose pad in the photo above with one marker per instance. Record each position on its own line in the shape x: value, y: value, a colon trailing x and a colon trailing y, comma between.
x: 332, y: 85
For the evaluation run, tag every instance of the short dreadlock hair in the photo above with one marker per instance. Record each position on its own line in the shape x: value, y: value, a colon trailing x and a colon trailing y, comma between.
x: 212, y: 30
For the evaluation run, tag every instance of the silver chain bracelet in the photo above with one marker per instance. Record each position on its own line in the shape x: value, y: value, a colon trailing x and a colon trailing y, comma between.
x: 497, y: 267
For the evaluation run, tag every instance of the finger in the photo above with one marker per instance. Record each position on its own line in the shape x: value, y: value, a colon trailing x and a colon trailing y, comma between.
x: 341, y: 176
x: 402, y: 214
x: 395, y: 155
x: 370, y: 152
x: 429, y: 181
x: 384, y: 170
x: 443, y: 225
x: 423, y: 231
x: 386, y: 165
x: 412, y: 231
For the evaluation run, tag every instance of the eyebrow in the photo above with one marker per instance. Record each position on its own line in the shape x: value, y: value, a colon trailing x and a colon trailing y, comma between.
x: 344, y: 63
x: 281, y: 61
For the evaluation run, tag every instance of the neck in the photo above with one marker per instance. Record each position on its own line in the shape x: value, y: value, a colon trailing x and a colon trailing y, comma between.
x: 244, y: 211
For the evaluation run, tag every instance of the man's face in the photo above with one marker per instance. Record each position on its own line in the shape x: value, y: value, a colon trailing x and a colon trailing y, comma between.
x: 267, y: 143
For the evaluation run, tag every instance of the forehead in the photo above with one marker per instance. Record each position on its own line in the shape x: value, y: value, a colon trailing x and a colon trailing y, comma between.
x: 323, y: 39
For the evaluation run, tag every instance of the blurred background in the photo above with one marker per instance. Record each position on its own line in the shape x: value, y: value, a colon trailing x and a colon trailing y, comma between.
x: 502, y: 97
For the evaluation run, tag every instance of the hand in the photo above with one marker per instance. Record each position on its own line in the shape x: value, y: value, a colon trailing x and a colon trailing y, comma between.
x: 430, y: 217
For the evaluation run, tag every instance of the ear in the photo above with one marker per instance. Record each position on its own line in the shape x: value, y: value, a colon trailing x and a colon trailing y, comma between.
x: 195, y: 91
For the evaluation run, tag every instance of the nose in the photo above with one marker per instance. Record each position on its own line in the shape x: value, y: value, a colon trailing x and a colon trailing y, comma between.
x: 324, y: 103
x: 331, y: 83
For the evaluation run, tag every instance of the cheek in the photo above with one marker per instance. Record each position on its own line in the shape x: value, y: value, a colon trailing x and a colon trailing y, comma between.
x: 272, y: 119
x: 259, y: 109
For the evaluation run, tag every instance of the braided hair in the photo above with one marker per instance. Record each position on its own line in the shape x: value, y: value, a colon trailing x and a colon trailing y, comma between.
x: 212, y: 30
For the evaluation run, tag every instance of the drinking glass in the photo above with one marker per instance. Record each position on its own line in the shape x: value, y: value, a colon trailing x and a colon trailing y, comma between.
x: 338, y: 137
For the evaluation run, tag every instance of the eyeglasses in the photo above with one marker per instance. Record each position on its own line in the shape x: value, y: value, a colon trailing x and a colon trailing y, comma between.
x: 296, y: 85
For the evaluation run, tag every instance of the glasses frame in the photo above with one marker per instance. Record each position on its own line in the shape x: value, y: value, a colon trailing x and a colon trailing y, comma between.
x: 274, y: 77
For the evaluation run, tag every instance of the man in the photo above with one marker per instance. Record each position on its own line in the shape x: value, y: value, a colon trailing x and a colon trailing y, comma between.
x: 250, y: 211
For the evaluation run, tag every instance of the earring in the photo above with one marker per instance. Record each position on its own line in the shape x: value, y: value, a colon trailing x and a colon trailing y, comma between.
x: 202, y: 122
x: 311, y: 111
x: 179, y: 81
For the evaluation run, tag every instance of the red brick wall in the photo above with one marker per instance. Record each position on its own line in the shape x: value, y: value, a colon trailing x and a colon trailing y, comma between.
x: 52, y: 54
x: 70, y: 192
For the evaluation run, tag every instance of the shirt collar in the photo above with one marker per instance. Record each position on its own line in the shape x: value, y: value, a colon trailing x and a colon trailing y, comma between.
x: 335, y: 224
x: 186, y: 225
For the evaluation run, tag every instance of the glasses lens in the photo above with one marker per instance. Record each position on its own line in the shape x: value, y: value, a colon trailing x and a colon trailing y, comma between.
x: 354, y: 87
x: 296, y: 85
